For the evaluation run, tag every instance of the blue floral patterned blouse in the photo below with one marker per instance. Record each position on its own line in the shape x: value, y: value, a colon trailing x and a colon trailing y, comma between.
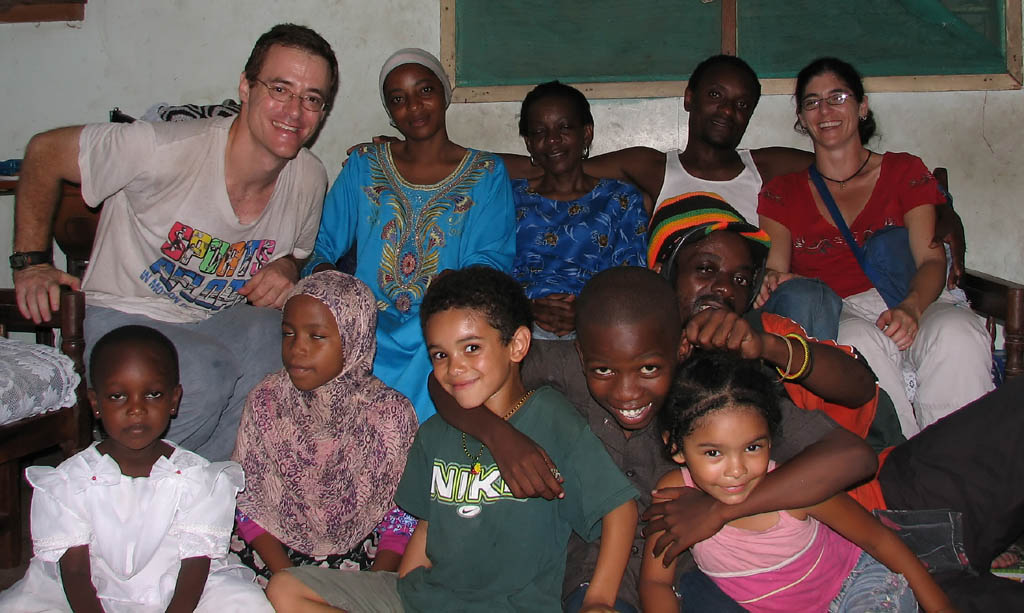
x: 405, y: 235
x: 561, y: 245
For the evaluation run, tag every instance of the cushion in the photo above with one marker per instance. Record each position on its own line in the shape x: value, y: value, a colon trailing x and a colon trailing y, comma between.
x: 34, y: 379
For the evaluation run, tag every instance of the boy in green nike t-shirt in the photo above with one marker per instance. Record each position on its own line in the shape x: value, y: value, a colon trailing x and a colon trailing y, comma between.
x: 477, y: 547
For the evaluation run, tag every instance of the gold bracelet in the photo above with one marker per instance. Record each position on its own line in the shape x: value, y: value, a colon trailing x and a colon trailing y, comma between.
x: 807, y: 358
x: 789, y: 361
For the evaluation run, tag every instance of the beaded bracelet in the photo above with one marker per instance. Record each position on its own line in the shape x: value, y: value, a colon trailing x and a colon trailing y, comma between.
x: 810, y: 364
x: 789, y: 360
x: 805, y: 367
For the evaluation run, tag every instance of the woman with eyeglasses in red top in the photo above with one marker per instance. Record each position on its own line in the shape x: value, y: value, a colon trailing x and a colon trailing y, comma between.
x: 923, y: 328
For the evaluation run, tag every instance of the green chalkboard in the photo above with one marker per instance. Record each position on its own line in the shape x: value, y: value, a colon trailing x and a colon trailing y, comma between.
x: 879, y: 37
x: 524, y: 42
x: 494, y: 44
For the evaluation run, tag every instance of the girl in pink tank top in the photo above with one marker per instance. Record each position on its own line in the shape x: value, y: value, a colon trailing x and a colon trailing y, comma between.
x: 718, y: 424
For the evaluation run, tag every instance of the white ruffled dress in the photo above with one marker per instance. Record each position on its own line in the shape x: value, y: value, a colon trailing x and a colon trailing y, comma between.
x: 138, y: 530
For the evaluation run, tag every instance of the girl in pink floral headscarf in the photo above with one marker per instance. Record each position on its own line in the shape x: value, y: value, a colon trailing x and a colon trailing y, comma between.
x: 323, y: 442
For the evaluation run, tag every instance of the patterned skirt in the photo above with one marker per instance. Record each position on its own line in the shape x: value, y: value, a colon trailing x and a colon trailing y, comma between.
x: 359, y: 558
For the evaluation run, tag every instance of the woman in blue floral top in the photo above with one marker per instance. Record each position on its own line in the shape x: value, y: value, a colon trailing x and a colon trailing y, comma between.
x: 412, y: 209
x: 570, y: 226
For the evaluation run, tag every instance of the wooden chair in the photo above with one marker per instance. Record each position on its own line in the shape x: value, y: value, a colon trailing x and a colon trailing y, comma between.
x: 69, y: 428
x: 74, y: 228
x: 998, y: 300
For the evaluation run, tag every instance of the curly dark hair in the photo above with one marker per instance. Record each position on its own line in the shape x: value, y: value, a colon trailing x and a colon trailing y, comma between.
x: 713, y: 380
x: 107, y: 351
x: 727, y: 60
x: 555, y: 89
x: 297, y: 37
x: 492, y: 293
x: 845, y: 73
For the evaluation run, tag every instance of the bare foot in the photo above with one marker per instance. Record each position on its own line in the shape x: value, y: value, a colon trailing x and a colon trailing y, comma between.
x: 1010, y: 557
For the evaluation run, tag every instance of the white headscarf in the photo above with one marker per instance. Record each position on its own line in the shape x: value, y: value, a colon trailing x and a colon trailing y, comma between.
x: 412, y: 55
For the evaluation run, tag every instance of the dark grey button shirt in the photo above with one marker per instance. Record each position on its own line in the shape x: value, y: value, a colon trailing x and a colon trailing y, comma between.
x: 641, y: 457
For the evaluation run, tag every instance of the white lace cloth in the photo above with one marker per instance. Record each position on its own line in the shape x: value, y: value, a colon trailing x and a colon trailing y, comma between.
x: 34, y: 379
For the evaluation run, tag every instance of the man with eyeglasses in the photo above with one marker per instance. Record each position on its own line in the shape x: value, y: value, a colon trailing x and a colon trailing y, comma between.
x: 202, y: 226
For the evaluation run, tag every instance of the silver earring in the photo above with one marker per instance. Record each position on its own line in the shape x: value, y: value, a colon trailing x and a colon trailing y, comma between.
x: 863, y: 117
x: 586, y: 152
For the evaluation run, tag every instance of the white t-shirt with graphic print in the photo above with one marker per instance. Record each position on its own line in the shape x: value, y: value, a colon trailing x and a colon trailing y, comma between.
x: 169, y: 246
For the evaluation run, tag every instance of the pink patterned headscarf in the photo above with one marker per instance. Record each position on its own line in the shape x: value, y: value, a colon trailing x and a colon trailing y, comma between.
x: 321, y: 467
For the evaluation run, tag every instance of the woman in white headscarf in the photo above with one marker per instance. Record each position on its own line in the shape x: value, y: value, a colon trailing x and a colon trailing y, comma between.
x: 413, y: 209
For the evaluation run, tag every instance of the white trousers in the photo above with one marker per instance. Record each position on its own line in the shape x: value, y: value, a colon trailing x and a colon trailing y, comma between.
x: 951, y: 356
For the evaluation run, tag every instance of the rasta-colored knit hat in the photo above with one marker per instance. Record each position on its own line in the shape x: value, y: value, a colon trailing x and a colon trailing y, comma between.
x: 691, y: 217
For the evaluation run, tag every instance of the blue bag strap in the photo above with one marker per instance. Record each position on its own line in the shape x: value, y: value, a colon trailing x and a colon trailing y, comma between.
x: 837, y: 217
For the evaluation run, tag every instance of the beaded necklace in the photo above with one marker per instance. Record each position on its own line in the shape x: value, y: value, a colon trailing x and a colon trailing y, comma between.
x: 476, y: 459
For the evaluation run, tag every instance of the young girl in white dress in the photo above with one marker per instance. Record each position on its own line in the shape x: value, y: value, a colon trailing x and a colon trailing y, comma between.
x: 134, y: 523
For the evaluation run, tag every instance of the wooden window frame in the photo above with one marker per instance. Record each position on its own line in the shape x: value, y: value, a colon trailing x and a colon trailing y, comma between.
x: 28, y: 11
x: 1011, y: 79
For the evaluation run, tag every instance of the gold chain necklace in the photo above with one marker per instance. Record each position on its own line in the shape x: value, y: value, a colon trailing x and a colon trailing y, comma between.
x: 476, y: 459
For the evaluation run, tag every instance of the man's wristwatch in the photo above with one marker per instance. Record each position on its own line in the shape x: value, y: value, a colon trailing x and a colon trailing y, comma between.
x: 23, y: 259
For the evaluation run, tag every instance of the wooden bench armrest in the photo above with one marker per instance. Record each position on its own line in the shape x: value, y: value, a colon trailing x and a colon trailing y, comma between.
x: 1003, y: 301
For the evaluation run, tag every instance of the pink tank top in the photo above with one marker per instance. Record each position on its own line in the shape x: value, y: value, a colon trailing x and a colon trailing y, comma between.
x: 793, y: 566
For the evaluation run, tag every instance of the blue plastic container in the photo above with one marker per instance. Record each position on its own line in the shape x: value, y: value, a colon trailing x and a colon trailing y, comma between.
x: 10, y: 167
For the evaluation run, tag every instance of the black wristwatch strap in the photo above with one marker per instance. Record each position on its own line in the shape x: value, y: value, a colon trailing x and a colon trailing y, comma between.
x: 24, y: 259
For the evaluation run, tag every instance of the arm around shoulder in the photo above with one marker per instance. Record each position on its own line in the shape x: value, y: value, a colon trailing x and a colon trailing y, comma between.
x: 641, y: 166
x: 772, y: 162
x: 519, y: 166
x: 525, y: 467
x: 838, y: 460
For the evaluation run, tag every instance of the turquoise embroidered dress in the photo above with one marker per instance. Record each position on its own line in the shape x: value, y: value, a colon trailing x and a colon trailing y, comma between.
x: 561, y: 245
x: 405, y: 235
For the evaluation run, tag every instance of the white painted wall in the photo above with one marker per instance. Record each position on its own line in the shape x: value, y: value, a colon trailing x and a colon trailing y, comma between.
x: 134, y: 53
